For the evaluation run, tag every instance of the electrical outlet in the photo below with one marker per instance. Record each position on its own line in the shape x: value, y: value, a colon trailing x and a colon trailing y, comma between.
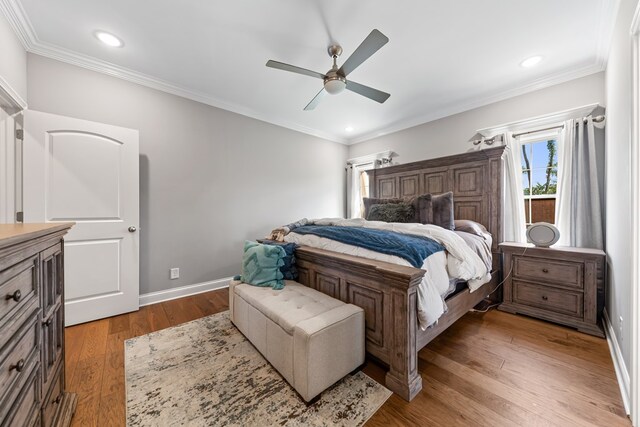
x: 174, y: 273
x: 620, y: 325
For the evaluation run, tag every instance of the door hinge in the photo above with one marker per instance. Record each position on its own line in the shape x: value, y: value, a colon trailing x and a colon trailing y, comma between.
x: 20, y: 134
x: 20, y: 216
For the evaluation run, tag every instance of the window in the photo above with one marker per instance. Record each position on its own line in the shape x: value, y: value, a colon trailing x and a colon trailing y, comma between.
x: 540, y: 180
x: 359, y: 188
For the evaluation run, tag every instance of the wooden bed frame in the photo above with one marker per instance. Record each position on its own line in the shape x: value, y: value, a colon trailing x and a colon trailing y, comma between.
x: 388, y: 292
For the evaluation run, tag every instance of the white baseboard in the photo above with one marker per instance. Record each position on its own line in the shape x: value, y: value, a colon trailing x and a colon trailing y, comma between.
x: 183, y: 291
x: 624, y: 381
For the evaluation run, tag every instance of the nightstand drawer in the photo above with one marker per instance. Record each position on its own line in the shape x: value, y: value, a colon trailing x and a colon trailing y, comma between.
x: 547, y: 298
x: 565, y: 273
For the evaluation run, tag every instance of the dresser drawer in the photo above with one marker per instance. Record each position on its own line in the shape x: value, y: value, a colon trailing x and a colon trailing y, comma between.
x: 53, y: 400
x: 548, y: 298
x: 25, y: 409
x: 18, y: 287
x: 565, y: 273
x: 18, y: 356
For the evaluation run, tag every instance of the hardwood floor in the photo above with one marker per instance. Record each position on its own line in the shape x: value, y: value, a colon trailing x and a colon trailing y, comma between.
x: 490, y: 368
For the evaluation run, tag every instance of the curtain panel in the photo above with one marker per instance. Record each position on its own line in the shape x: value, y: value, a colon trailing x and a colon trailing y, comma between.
x: 356, y: 183
x: 514, y: 216
x: 578, y: 210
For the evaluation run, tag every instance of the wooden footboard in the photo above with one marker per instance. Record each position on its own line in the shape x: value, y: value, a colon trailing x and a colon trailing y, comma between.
x: 388, y: 294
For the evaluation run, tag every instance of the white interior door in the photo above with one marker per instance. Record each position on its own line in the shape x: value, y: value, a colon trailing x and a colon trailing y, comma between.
x: 87, y: 172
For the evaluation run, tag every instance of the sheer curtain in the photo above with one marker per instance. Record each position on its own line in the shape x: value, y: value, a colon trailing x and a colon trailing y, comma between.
x: 578, y: 209
x: 356, y: 182
x: 513, y: 218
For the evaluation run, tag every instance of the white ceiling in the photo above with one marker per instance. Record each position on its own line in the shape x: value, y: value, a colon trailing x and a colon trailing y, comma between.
x: 442, y: 58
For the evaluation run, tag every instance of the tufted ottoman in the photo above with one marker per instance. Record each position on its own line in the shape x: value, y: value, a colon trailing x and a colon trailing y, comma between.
x: 313, y: 340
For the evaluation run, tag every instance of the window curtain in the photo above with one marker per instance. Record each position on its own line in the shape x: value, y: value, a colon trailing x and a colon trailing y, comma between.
x: 356, y: 182
x: 513, y: 219
x: 578, y: 210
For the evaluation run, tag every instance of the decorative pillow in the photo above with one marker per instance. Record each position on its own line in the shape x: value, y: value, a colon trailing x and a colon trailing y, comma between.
x: 442, y: 210
x: 368, y: 202
x: 470, y: 227
x: 392, y: 212
x: 421, y: 204
x: 289, y: 269
x: 261, y: 265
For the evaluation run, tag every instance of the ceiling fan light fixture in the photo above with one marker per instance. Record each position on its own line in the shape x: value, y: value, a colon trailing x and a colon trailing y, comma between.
x: 335, y: 85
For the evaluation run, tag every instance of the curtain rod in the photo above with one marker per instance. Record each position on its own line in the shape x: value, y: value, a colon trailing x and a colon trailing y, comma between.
x: 596, y: 119
x: 490, y: 141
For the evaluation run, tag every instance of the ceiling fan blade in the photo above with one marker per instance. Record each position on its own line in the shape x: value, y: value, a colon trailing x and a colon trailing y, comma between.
x: 294, y: 69
x: 369, y: 92
x: 374, y: 41
x: 316, y: 100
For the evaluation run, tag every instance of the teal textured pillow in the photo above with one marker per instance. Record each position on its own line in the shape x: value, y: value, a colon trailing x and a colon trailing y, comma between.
x: 261, y: 265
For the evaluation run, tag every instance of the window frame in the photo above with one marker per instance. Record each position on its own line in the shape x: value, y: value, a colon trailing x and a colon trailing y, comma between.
x: 534, y: 138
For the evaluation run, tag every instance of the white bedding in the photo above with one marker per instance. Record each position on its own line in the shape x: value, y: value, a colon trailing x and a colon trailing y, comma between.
x: 458, y: 262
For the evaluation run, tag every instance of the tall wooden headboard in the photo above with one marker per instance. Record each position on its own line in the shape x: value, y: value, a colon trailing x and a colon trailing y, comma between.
x: 475, y: 178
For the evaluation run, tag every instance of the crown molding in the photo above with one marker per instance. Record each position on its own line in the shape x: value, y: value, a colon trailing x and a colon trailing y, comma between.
x: 73, y: 58
x: 461, y: 107
x: 539, y: 121
x: 20, y: 23
x: 608, y: 15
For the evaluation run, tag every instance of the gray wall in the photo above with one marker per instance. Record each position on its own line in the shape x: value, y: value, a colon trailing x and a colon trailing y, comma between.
x: 209, y: 179
x: 618, y: 195
x: 13, y: 59
x: 450, y: 135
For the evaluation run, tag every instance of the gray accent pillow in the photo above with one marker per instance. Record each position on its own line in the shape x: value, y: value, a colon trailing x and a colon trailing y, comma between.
x: 392, y: 212
x: 442, y: 210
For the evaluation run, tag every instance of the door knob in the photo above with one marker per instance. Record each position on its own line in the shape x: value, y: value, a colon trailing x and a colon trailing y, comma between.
x: 132, y: 229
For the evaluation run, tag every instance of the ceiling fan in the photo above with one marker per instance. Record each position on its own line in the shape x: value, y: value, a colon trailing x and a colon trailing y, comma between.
x: 335, y: 80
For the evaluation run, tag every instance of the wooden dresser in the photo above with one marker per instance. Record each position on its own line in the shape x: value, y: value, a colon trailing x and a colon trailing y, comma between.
x: 560, y: 284
x: 32, y: 326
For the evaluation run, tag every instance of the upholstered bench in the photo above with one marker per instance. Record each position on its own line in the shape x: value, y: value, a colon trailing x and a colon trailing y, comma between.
x: 313, y: 340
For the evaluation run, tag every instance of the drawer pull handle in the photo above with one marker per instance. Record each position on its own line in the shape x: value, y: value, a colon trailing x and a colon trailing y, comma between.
x: 544, y: 270
x: 544, y: 297
x: 18, y: 366
x: 16, y: 296
x: 57, y: 399
x: 47, y: 322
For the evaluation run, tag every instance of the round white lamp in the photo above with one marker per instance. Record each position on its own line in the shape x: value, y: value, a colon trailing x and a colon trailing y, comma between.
x: 543, y: 234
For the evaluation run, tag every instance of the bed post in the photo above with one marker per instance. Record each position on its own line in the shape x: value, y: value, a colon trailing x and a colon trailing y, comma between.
x: 403, y: 377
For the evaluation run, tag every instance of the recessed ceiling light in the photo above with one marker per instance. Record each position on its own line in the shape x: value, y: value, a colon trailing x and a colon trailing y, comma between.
x: 109, y: 39
x: 530, y: 62
x: 348, y: 129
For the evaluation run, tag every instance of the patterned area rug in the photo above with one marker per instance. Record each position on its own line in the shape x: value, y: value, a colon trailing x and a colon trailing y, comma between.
x: 205, y: 372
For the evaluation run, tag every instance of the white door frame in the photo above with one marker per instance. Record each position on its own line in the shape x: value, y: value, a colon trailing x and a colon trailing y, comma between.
x: 635, y: 200
x: 12, y: 104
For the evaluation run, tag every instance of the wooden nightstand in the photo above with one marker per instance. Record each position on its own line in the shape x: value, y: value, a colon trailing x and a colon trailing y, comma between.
x: 560, y: 284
